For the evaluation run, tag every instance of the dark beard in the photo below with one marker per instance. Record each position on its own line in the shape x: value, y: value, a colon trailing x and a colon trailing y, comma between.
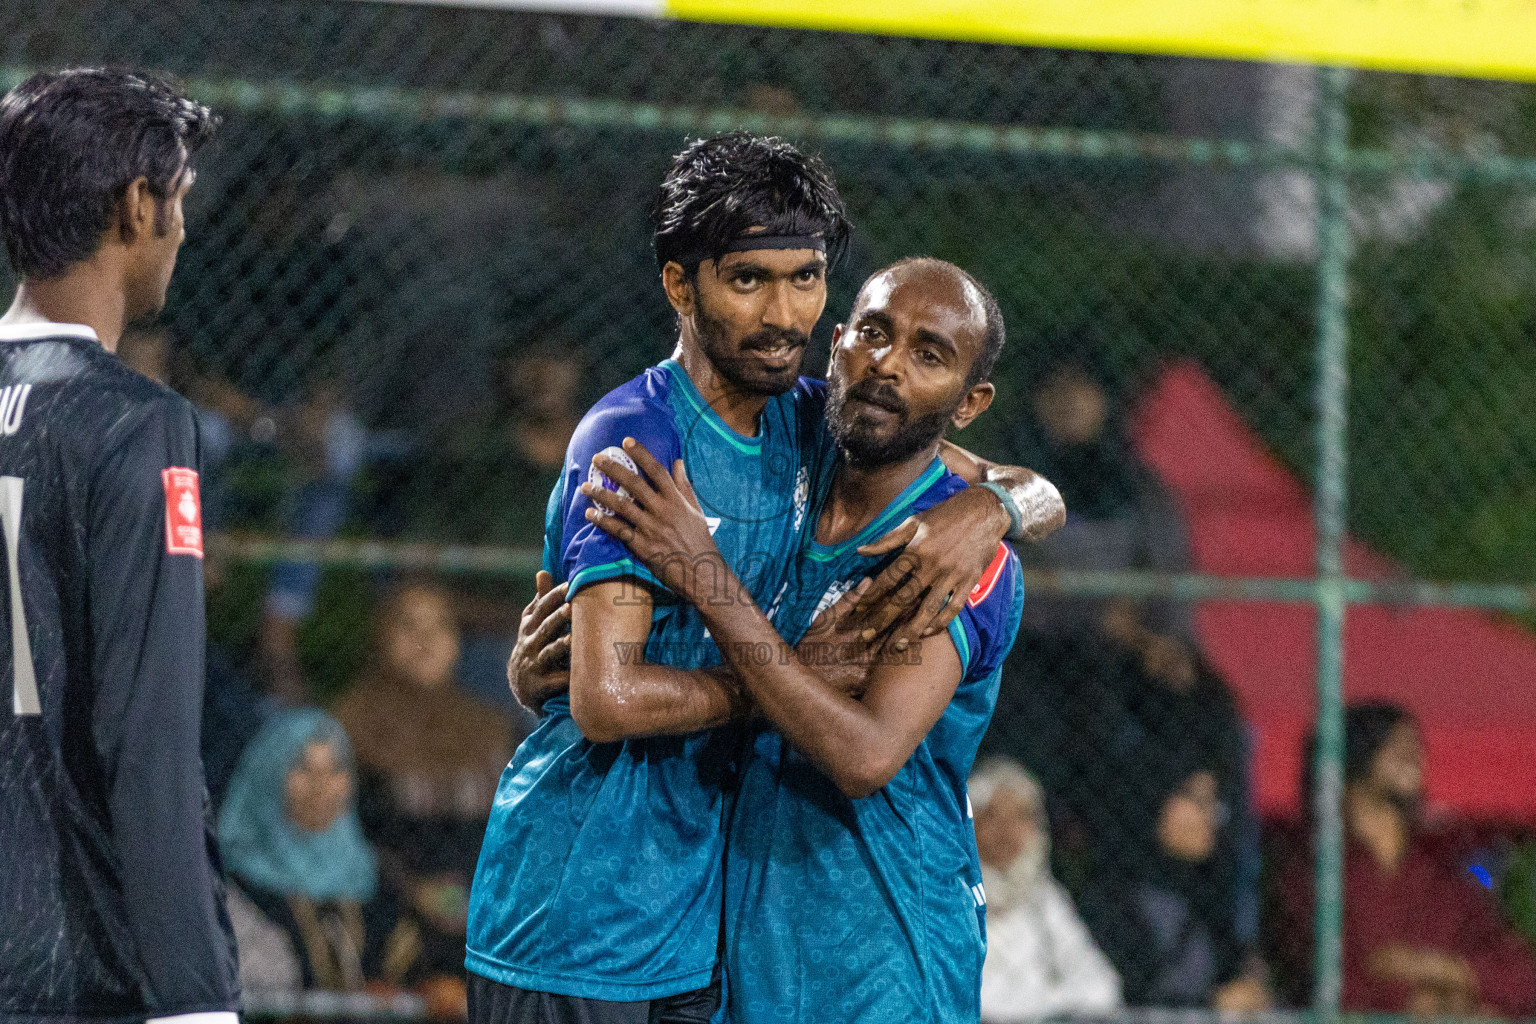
x: 860, y: 446
x: 743, y: 373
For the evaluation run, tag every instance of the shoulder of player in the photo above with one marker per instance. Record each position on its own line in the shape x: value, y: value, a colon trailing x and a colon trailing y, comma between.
x: 809, y: 399
x: 989, y: 616
x: 997, y: 586
x: 132, y: 403
x: 945, y: 486
x: 637, y: 408
x: 110, y: 377
x: 106, y: 402
x: 810, y: 387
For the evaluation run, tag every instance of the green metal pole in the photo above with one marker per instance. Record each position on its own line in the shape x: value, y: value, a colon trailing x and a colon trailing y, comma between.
x: 1329, y: 510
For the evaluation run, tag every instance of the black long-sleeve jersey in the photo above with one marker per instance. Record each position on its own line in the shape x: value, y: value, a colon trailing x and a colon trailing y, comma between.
x: 111, y: 896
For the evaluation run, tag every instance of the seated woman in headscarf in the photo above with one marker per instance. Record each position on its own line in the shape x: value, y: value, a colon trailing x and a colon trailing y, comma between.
x: 304, y: 893
x: 1163, y: 918
x: 429, y: 757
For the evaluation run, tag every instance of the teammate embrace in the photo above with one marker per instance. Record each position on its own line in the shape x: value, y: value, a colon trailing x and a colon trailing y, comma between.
x: 793, y: 808
x: 752, y: 758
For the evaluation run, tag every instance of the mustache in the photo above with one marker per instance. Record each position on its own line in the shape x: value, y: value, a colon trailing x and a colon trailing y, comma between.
x: 775, y: 337
x: 875, y: 393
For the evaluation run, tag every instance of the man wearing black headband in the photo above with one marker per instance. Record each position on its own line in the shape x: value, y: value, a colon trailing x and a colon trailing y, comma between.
x: 599, y: 891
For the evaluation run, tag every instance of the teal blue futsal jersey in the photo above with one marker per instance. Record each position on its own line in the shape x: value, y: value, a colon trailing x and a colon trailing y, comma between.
x: 601, y: 872
x: 871, y: 910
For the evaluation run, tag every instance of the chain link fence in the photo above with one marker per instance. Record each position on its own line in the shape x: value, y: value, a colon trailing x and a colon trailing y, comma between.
x: 418, y: 252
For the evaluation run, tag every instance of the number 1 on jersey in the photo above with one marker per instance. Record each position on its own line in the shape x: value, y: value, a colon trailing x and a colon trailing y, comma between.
x: 25, y: 701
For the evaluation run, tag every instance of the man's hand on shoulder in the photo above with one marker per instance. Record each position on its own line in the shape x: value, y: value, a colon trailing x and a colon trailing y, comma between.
x: 944, y: 552
x: 657, y: 516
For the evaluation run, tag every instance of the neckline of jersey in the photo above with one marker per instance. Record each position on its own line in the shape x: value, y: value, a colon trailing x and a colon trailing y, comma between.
x: 37, y: 330
x: 702, y: 409
x: 882, y: 522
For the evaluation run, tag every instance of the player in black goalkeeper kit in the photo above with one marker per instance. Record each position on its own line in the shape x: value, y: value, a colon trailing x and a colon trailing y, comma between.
x: 111, y: 900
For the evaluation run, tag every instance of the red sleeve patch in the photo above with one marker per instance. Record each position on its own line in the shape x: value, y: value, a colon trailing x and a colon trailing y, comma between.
x: 183, y: 512
x: 988, y: 579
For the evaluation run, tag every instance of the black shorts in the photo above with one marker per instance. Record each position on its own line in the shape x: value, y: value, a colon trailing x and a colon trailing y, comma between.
x: 491, y: 1002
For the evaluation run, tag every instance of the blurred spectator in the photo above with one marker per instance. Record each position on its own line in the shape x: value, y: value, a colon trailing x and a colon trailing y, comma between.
x: 1118, y: 515
x: 321, y: 446
x: 1420, y: 935
x: 1176, y: 699
x: 327, y: 447
x: 1094, y: 712
x: 1040, y: 958
x: 1096, y: 690
x: 233, y: 709
x: 430, y: 758
x: 544, y: 385
x: 1165, y: 923
x: 495, y: 468
x: 305, y: 896
x: 233, y: 713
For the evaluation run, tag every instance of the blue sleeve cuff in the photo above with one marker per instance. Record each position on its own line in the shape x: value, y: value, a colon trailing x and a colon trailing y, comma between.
x: 588, y: 575
x: 962, y: 645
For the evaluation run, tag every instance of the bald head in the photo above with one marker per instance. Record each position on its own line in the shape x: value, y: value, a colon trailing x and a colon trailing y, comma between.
x: 962, y: 291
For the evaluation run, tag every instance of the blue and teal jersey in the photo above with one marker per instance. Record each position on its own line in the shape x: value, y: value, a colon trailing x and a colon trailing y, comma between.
x: 868, y: 910
x: 601, y: 871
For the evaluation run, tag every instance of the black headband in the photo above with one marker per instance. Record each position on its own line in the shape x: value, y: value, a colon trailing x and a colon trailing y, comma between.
x: 751, y: 243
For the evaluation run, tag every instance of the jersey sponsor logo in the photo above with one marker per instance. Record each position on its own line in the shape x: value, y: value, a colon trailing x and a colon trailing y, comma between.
x: 13, y: 401
x: 183, y: 512
x: 778, y: 602
x: 988, y: 579
x: 834, y: 594
x: 802, y: 495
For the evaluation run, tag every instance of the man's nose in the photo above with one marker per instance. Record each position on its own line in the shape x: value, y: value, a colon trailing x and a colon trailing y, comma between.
x: 780, y: 310
x: 882, y: 361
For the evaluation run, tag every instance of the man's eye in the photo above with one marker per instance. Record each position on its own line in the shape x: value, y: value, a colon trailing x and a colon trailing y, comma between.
x: 869, y: 333
x: 929, y: 356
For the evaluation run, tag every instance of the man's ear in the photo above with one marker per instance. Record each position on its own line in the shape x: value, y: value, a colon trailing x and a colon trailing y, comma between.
x: 680, y: 290
x: 837, y: 334
x: 138, y: 214
x: 973, y: 404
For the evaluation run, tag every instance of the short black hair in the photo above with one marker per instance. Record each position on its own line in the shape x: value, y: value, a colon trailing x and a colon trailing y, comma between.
x: 71, y: 142
x: 718, y: 188
x: 996, y: 333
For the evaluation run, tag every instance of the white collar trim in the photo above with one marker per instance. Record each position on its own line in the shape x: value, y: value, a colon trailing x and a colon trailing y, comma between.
x: 44, y: 329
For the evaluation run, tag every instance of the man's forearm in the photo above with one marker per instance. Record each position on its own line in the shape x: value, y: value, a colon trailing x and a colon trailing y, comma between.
x: 652, y: 700
x: 1041, y: 510
x: 1037, y: 509
x: 616, y: 694
x: 835, y: 731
